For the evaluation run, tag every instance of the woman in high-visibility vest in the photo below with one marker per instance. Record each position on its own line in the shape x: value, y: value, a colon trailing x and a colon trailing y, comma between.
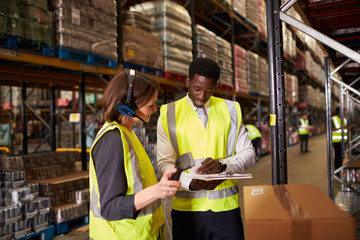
x: 124, y: 191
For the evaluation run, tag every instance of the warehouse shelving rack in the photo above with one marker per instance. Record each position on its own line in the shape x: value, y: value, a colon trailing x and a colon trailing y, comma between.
x: 26, y: 69
x: 53, y: 73
x: 276, y: 14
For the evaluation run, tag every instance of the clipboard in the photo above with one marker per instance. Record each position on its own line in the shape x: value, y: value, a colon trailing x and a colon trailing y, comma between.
x: 221, y: 176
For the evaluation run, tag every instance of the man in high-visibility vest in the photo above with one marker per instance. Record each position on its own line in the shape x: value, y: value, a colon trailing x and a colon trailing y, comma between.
x: 304, y: 133
x: 255, y: 137
x: 211, y: 129
x: 336, y: 137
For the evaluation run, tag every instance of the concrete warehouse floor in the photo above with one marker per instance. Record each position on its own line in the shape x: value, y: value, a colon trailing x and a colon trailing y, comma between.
x: 305, y: 168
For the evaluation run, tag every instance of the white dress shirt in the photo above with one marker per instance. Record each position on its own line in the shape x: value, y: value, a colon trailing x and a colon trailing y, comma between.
x: 243, y: 159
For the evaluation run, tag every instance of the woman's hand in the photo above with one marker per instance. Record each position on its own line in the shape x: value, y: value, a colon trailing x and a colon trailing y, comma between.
x: 167, y: 187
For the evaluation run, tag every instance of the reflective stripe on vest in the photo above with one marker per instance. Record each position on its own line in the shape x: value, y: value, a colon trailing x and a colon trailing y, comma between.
x: 213, y: 195
x: 336, y: 135
x: 224, y: 116
x: 253, y: 132
x: 303, y: 127
x: 148, y: 223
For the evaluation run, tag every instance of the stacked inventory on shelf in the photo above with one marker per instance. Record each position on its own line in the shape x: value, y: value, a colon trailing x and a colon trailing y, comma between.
x: 27, y: 21
x: 137, y: 20
x: 172, y: 23
x: 22, y: 209
x: 251, y: 12
x: 291, y: 89
x: 252, y: 68
x: 289, y: 43
x: 66, y: 188
x: 239, y: 7
x: 33, y: 97
x: 241, y: 80
x: 224, y: 59
x: 205, y: 42
x: 49, y: 165
x: 136, y: 35
x: 67, y: 133
x: 89, y: 26
x: 312, y: 96
x: 263, y: 86
x: 261, y: 15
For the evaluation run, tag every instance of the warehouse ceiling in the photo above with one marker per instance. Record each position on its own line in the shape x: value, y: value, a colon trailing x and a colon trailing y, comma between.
x: 339, y: 20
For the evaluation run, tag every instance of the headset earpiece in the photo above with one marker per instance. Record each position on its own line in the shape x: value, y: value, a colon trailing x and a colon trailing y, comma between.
x: 124, y: 109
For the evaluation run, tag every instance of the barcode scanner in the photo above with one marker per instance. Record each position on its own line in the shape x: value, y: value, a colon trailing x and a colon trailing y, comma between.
x: 185, y: 161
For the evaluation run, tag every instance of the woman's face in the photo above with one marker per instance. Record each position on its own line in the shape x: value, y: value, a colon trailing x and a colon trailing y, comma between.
x: 147, y: 110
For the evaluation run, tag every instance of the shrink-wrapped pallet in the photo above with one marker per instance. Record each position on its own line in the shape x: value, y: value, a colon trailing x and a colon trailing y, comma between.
x: 133, y: 50
x: 239, y: 6
x: 205, y: 41
x: 27, y: 21
x: 172, y: 23
x: 263, y: 86
x: 261, y: 17
x: 251, y: 12
x: 137, y: 20
x: 224, y: 59
x: 241, y: 81
x: 252, y: 69
x: 86, y: 26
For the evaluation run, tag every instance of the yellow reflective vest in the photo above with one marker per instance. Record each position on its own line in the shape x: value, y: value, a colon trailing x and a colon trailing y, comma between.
x: 188, y: 134
x: 303, y: 127
x: 140, y: 174
x: 252, y: 131
x: 336, y: 135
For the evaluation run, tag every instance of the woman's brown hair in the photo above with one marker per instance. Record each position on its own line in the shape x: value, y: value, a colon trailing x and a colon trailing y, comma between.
x: 117, y: 90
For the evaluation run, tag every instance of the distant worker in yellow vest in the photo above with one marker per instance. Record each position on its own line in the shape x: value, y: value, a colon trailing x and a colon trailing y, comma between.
x: 336, y: 137
x: 124, y: 191
x: 211, y: 129
x: 304, y: 133
x: 255, y: 137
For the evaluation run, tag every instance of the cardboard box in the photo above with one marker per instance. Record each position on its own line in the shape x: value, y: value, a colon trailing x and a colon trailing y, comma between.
x: 294, y: 212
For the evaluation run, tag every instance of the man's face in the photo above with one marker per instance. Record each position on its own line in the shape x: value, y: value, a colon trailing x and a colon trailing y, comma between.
x: 200, y: 89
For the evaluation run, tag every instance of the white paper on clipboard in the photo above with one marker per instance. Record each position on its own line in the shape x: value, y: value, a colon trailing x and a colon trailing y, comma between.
x: 220, y: 176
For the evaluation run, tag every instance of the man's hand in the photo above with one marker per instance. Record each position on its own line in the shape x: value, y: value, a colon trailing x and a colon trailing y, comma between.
x: 196, y: 184
x: 209, y: 166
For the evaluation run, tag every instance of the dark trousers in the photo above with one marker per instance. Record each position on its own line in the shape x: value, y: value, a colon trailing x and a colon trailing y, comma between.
x: 338, y: 159
x: 207, y: 225
x: 257, y: 145
x: 304, y: 141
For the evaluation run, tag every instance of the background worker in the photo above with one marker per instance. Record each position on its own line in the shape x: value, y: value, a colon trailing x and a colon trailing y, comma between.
x: 124, y: 192
x: 211, y: 129
x: 336, y: 137
x: 255, y: 137
x: 304, y: 133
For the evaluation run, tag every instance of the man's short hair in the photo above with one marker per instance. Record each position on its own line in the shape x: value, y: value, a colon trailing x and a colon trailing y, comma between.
x: 204, y: 67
